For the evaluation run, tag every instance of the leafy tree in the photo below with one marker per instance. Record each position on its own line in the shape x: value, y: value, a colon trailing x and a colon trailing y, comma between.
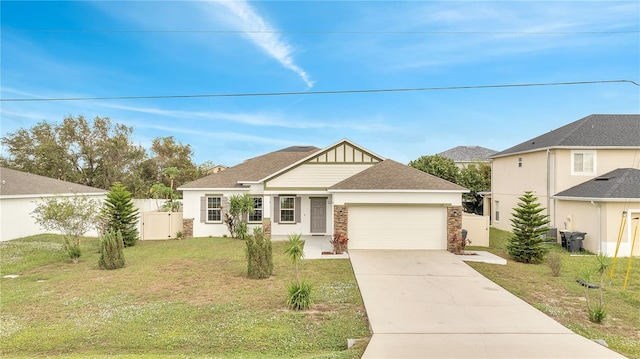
x: 111, y: 251
x: 94, y: 153
x: 476, y: 178
x: 259, y: 255
x: 528, y: 225
x: 438, y: 166
x: 120, y: 214
x: 167, y: 154
x: 236, y: 217
x: 72, y: 216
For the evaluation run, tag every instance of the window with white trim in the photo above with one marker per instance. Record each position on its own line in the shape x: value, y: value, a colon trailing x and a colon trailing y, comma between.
x: 256, y: 216
x: 214, y: 209
x: 287, y: 209
x: 583, y: 162
x: 497, y: 208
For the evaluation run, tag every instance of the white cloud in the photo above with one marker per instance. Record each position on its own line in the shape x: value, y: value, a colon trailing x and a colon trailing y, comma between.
x: 263, y: 35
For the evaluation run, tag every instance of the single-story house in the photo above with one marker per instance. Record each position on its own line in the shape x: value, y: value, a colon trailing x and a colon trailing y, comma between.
x: 377, y: 202
x: 20, y: 193
x: 583, y: 173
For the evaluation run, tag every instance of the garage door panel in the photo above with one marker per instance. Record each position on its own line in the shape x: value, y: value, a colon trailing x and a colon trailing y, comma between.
x: 397, y: 227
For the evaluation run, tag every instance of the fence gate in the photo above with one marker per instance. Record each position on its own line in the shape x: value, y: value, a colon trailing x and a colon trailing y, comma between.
x: 160, y: 225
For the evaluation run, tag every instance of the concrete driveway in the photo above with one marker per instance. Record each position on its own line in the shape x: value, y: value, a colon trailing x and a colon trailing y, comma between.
x: 430, y: 304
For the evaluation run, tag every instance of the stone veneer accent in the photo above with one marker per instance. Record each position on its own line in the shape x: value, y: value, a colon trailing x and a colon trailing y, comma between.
x: 455, y: 243
x: 187, y: 227
x: 266, y: 226
x: 341, y: 220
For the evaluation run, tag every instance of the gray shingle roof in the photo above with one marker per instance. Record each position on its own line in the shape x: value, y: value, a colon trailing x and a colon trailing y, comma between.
x: 621, y: 183
x: 17, y: 183
x: 391, y: 175
x: 468, y: 153
x: 253, y: 169
x: 591, y: 131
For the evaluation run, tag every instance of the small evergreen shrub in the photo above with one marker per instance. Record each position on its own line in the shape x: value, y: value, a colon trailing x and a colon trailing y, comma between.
x: 259, y: 255
x: 528, y: 226
x: 120, y: 214
x: 554, y: 261
x: 111, y: 250
x: 299, y: 295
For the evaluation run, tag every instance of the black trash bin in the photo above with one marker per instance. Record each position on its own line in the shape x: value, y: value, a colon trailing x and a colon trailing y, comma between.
x: 564, y: 235
x: 574, y: 242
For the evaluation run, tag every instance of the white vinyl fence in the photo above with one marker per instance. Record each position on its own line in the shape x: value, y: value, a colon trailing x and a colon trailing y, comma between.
x: 477, y: 229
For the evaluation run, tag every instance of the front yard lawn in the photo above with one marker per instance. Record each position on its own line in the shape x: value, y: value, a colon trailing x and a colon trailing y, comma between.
x: 188, y: 298
x: 563, y: 299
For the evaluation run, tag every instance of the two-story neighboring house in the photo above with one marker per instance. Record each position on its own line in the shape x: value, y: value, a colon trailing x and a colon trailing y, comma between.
x: 463, y: 156
x: 585, y: 174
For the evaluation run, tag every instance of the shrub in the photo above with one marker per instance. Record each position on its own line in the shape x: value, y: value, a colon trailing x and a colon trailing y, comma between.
x: 259, y: 255
x: 554, y: 261
x: 528, y: 226
x: 299, y: 295
x: 597, y: 314
x: 111, y: 250
x: 72, y: 216
x: 339, y: 241
x: 120, y: 214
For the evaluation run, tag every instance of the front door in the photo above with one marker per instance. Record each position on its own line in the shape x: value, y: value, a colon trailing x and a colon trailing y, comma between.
x: 318, y: 215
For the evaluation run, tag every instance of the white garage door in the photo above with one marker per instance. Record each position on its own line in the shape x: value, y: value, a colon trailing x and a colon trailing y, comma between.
x: 397, y: 227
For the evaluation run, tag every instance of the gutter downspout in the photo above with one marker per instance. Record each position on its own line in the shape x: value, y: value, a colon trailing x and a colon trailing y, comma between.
x: 599, y: 226
x: 549, y: 189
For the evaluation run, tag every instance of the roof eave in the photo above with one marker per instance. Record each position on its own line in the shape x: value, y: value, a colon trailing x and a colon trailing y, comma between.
x: 565, y: 148
x: 595, y: 199
x: 245, y: 189
x: 396, y: 191
x: 50, y: 195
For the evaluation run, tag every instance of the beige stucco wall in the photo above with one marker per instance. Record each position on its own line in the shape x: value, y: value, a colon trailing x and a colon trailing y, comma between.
x: 582, y: 216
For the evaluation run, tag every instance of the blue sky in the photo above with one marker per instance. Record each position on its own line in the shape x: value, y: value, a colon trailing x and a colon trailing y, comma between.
x: 144, y: 48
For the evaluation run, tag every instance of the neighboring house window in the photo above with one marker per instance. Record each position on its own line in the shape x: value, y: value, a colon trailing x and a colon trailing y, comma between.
x: 214, y: 209
x: 256, y: 216
x: 519, y: 161
x: 497, y: 206
x: 583, y: 162
x: 287, y: 209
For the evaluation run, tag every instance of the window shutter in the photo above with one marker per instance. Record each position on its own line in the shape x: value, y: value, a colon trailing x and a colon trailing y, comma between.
x: 203, y: 209
x: 276, y: 209
x: 298, y: 209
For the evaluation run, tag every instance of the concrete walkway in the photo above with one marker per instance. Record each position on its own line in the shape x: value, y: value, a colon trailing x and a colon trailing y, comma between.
x: 430, y: 304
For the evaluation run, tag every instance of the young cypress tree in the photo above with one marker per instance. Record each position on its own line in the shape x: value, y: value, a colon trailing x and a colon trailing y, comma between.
x: 111, y: 251
x: 528, y: 226
x: 120, y: 214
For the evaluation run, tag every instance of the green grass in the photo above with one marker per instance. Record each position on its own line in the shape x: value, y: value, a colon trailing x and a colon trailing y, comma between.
x: 563, y: 299
x: 188, y: 298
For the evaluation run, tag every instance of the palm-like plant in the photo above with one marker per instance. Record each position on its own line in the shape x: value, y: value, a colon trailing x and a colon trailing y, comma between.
x: 295, y: 250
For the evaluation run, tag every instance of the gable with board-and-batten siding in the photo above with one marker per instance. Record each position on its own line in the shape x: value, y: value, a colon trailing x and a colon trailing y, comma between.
x: 326, y: 168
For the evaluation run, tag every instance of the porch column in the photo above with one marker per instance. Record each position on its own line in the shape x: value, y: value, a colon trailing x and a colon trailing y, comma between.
x: 455, y: 243
x: 341, y: 219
